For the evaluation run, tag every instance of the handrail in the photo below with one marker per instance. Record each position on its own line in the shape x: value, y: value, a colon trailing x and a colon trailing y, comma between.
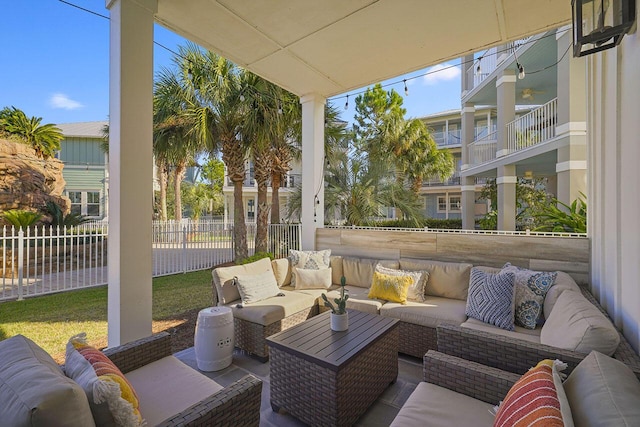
x: 483, y: 150
x: 537, y: 126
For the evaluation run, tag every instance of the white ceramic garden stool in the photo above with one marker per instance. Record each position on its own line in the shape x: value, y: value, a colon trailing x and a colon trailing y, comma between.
x: 213, y: 339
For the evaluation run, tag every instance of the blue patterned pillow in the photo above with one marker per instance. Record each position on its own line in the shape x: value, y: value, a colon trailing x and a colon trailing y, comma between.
x: 530, y: 290
x: 490, y: 298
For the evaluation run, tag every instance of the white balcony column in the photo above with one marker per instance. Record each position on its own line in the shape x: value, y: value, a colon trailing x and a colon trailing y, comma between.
x: 312, y: 212
x: 571, y: 166
x: 506, y: 93
x: 467, y: 182
x: 130, y: 169
x: 506, y: 182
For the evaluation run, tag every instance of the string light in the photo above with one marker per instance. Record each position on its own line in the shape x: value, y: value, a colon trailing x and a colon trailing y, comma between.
x: 279, y: 107
x: 406, y: 89
x: 346, y: 104
x: 521, y: 73
x: 478, y: 67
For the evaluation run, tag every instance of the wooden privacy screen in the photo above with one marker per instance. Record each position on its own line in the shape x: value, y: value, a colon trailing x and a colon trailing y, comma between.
x: 568, y: 254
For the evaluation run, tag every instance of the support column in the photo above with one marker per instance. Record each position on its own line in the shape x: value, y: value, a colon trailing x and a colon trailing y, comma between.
x: 467, y: 182
x: 507, y: 197
x: 130, y: 169
x: 571, y: 166
x: 506, y: 93
x: 466, y: 77
x: 312, y: 212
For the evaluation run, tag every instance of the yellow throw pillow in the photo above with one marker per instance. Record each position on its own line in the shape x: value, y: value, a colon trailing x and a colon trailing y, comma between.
x: 390, y: 288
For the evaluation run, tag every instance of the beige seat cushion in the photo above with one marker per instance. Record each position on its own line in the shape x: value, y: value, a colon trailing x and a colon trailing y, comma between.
x: 282, y: 271
x: 358, y: 299
x: 223, y: 278
x: 532, y: 335
x: 446, y: 279
x: 359, y: 271
x: 35, y: 392
x: 603, y: 391
x: 273, y: 309
x: 576, y: 324
x: 430, y: 313
x: 435, y: 406
x: 316, y: 293
x: 562, y: 283
x: 167, y: 387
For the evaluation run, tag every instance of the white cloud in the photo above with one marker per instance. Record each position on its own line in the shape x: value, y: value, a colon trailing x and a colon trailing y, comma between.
x: 60, y: 100
x: 441, y: 73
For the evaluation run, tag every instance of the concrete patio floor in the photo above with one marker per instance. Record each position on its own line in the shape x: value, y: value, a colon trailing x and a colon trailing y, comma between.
x: 381, y: 413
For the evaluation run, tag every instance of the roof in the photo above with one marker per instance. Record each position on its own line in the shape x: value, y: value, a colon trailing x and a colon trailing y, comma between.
x: 332, y: 46
x: 83, y: 129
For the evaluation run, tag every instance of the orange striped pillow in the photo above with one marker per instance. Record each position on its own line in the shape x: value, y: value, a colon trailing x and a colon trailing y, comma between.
x: 111, y: 397
x: 532, y: 401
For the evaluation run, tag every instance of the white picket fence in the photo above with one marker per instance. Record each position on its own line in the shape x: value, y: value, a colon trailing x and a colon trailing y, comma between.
x: 44, y: 260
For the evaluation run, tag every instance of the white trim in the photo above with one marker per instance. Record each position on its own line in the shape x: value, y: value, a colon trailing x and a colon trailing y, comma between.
x: 464, y: 167
x: 505, y: 79
x: 571, y: 127
x: 468, y: 188
x: 468, y: 110
x: 312, y: 97
x: 501, y: 153
x: 571, y: 165
x: 506, y: 180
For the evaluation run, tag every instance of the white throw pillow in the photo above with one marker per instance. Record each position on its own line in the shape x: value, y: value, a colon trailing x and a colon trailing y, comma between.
x: 257, y: 287
x: 416, y: 289
x: 310, y: 260
x: 312, y: 279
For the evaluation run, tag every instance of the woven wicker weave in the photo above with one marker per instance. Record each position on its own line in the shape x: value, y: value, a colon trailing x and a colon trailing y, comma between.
x: 416, y: 340
x: 463, y: 376
x: 516, y: 355
x: 320, y: 396
x: 237, y: 404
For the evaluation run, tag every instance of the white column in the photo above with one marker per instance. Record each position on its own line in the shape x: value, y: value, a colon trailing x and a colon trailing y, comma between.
x: 467, y: 187
x: 130, y: 169
x: 312, y: 216
x: 506, y: 182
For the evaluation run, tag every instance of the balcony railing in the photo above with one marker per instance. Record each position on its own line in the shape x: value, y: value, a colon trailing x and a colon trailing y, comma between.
x: 490, y: 61
x: 483, y: 150
x: 450, y: 138
x: 533, y: 128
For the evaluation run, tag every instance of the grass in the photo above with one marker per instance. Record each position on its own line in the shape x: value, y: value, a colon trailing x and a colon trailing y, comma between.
x: 52, y: 319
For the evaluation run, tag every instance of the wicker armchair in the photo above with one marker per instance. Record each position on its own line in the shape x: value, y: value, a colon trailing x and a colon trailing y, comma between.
x: 516, y: 355
x: 237, y: 404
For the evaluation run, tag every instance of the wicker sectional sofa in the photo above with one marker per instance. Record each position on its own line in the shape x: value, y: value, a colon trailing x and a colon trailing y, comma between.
x: 426, y: 325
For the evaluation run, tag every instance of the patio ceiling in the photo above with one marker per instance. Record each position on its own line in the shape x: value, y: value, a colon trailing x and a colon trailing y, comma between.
x: 332, y: 46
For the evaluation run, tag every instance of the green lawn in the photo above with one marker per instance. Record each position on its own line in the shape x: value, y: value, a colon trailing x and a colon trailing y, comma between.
x: 50, y: 320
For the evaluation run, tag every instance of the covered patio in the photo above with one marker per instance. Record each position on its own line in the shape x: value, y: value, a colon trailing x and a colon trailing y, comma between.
x: 320, y: 50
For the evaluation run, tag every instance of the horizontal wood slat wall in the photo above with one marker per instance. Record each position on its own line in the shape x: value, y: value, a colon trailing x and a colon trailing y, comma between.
x: 569, y: 254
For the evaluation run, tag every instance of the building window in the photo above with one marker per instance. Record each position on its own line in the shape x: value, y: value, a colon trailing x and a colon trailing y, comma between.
x: 251, y: 211
x: 442, y: 203
x: 86, y: 203
x: 454, y: 203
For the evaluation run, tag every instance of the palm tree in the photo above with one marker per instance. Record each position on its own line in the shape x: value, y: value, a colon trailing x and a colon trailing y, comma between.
x: 44, y: 139
x: 218, y: 115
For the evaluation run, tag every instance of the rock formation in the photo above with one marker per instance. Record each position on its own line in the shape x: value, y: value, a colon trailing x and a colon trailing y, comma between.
x: 28, y: 181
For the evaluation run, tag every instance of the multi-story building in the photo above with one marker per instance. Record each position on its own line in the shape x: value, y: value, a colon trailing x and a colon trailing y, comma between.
x: 86, y: 169
x: 250, y: 192
x: 549, y: 141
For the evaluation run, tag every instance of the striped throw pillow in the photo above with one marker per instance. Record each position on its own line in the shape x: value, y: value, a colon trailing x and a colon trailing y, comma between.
x: 532, y: 401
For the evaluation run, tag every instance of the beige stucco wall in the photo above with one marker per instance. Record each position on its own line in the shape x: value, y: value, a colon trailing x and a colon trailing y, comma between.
x: 613, y: 122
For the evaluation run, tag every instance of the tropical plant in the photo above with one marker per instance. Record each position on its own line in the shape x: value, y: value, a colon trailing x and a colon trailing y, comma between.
x: 341, y: 301
x: 44, y: 139
x: 571, y: 219
x: 20, y: 218
x: 59, y: 219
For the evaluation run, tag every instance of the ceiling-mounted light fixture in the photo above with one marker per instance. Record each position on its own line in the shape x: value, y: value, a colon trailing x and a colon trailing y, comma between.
x: 600, y: 24
x: 528, y: 175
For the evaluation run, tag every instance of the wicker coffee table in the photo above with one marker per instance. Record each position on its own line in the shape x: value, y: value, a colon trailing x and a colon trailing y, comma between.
x: 328, y: 378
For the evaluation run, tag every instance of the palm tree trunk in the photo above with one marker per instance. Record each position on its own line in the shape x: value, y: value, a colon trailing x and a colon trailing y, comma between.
x: 179, y: 176
x: 275, y: 197
x: 239, y: 226
x: 163, y: 178
x: 262, y: 219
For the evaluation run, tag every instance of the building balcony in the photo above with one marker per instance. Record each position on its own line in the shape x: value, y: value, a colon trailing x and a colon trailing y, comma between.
x: 533, y: 128
x: 486, y: 64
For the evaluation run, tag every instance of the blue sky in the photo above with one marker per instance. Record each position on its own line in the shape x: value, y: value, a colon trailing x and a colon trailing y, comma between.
x: 55, y: 64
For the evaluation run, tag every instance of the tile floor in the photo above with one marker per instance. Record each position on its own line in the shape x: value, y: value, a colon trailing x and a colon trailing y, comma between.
x: 381, y: 413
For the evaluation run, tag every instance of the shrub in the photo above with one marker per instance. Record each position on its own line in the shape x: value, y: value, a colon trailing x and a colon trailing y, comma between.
x: 21, y: 218
x: 255, y: 257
